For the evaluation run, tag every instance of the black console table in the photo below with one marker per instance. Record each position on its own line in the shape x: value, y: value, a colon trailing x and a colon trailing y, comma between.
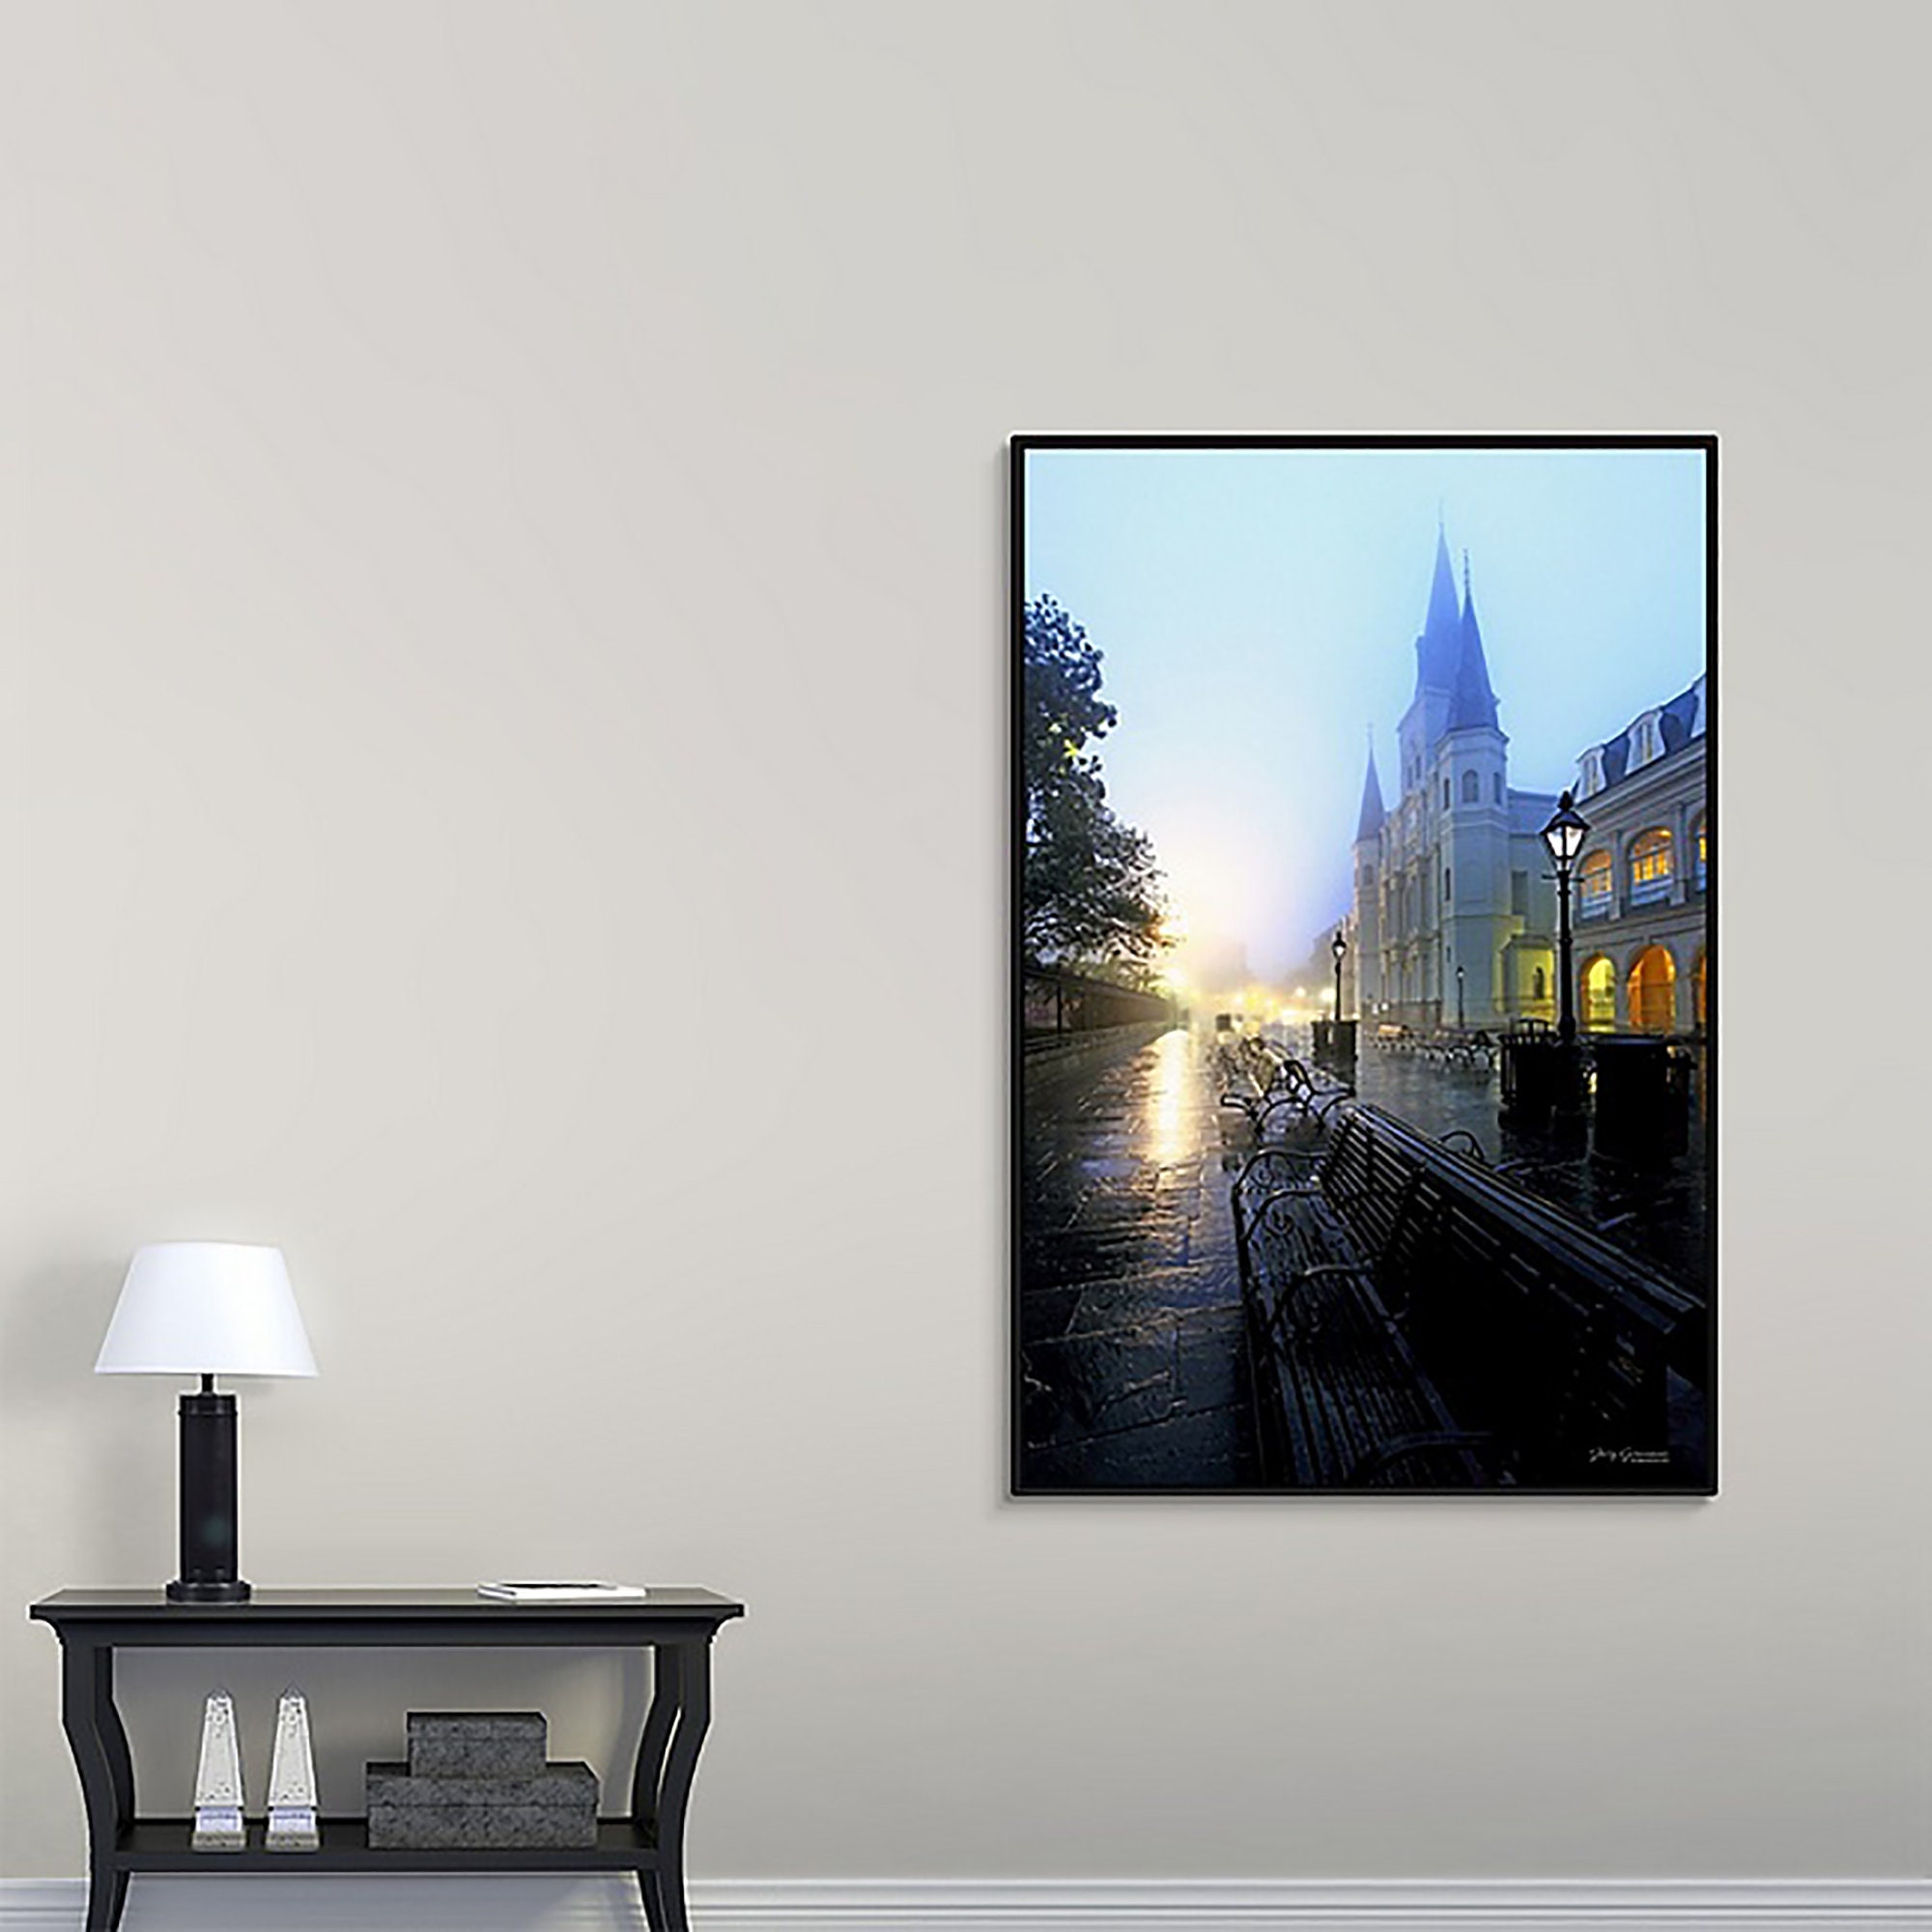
x: 676, y: 1624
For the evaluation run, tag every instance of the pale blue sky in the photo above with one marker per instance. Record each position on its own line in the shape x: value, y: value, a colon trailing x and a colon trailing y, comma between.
x: 1257, y: 611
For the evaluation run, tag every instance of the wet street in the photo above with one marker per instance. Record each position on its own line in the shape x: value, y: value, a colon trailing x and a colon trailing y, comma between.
x: 1133, y: 1354
x: 1132, y: 1359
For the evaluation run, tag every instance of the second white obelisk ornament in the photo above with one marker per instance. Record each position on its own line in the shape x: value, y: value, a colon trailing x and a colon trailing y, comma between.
x: 292, y: 1826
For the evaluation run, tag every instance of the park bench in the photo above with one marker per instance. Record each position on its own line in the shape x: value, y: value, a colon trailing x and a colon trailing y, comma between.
x: 1269, y: 1085
x: 1418, y: 1319
x: 1471, y: 1051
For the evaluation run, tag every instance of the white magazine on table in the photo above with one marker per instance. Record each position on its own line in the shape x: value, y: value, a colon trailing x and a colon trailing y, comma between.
x: 564, y: 1593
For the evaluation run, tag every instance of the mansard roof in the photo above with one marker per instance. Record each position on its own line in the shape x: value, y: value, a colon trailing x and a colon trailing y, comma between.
x: 1677, y: 724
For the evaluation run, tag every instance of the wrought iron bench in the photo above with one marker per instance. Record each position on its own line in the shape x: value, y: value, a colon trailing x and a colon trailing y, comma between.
x: 1416, y: 1318
x: 1269, y: 1084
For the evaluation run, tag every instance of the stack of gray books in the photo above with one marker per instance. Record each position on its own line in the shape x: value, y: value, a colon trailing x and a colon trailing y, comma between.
x: 479, y: 1779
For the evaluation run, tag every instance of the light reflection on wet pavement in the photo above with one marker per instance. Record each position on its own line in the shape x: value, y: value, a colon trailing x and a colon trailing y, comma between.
x: 1131, y: 1353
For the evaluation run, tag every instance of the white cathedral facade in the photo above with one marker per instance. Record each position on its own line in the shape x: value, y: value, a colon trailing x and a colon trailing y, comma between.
x: 1454, y: 914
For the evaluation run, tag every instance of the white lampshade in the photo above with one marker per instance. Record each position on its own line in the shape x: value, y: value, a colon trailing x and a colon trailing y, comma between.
x: 205, y: 1308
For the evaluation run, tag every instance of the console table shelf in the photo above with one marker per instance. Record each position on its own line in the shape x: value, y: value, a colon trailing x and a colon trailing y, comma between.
x: 677, y: 1626
x: 161, y: 1845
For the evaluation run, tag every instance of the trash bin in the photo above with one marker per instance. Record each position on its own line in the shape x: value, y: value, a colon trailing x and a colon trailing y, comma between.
x: 1640, y: 1109
x: 1335, y: 1044
x: 1532, y: 1076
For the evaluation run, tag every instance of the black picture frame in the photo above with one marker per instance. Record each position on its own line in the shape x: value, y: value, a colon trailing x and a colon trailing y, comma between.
x: 1692, y: 1349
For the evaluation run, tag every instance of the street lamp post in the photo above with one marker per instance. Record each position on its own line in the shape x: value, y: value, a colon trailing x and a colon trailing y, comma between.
x: 1338, y: 946
x: 1564, y: 835
x: 1458, y: 999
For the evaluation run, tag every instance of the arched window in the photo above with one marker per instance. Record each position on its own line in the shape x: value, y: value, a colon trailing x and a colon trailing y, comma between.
x: 1698, y: 858
x: 1653, y: 991
x: 1593, y: 887
x: 1496, y: 787
x: 1599, y: 995
x: 1539, y: 990
x: 1651, y: 865
x: 1445, y: 794
x: 1447, y: 895
x: 1473, y: 789
x: 1698, y: 990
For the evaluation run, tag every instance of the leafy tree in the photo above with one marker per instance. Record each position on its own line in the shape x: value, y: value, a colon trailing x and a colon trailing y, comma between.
x: 1091, y: 891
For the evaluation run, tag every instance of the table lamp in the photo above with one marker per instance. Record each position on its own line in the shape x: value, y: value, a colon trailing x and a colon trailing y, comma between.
x: 206, y: 1308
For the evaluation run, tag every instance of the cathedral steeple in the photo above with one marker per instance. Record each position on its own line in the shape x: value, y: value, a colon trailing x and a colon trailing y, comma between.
x: 1371, y: 821
x: 1436, y: 649
x: 1473, y: 703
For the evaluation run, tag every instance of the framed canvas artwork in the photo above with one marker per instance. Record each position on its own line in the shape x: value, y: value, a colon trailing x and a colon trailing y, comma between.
x: 1364, y: 965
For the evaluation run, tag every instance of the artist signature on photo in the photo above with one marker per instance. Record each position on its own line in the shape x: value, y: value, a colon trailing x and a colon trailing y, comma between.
x: 1629, y: 1458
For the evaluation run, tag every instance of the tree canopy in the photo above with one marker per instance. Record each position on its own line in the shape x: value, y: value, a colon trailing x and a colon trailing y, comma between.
x: 1091, y: 893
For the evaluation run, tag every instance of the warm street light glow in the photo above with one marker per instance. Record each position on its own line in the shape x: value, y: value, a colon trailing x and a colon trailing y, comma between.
x: 1566, y: 831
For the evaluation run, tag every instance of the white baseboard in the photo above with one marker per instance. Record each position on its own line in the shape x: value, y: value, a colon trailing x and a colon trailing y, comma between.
x: 521, y: 1904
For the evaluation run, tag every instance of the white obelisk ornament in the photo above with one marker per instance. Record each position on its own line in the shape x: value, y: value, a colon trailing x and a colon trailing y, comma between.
x: 217, y: 1780
x: 292, y: 1826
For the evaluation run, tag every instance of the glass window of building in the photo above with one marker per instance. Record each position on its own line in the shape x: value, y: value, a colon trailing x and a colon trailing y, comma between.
x: 1650, y: 866
x: 1697, y: 863
x: 1599, y: 995
x: 1593, y: 886
x: 1519, y: 895
x: 1473, y: 789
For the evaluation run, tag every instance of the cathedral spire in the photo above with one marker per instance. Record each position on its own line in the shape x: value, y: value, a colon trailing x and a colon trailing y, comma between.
x: 1473, y: 701
x: 1369, y: 823
x: 1436, y: 649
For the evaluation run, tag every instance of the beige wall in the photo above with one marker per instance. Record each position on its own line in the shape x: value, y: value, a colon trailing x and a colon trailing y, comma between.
x: 504, y: 545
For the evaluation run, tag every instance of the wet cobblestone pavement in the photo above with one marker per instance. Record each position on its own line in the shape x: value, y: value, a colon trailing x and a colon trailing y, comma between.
x: 1133, y: 1354
x: 1132, y: 1365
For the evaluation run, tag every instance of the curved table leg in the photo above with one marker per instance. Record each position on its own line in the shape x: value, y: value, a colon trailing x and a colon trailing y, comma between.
x: 693, y: 1720
x: 660, y: 1721
x: 654, y: 1901
x: 102, y: 1758
x: 680, y: 1714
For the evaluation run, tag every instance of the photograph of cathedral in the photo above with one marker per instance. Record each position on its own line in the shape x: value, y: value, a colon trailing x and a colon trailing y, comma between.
x: 1454, y: 912
x: 1363, y: 965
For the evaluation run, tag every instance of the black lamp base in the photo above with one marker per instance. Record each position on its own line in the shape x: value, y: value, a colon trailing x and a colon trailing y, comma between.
x: 208, y: 1512
x: 233, y: 1591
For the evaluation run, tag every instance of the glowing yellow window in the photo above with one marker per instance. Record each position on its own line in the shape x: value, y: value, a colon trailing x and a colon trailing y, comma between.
x: 1593, y: 887
x: 1650, y: 866
x: 1599, y: 995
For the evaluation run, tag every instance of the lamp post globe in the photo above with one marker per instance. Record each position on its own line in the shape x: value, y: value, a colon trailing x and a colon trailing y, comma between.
x: 1458, y: 999
x: 1564, y: 835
